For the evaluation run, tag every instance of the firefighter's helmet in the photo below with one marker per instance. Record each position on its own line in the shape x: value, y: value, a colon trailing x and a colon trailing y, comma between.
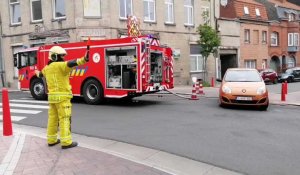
x: 55, y: 52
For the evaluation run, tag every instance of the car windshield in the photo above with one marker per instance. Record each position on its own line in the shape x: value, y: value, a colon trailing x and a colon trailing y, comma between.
x: 242, y: 76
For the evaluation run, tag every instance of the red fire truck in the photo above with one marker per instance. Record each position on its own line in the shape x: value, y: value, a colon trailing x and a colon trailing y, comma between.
x: 118, y: 68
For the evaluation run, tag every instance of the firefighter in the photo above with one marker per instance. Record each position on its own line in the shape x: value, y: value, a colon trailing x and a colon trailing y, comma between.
x: 57, y: 74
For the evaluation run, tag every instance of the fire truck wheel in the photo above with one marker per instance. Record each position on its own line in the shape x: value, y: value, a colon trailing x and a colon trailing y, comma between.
x: 37, y: 89
x: 93, y: 92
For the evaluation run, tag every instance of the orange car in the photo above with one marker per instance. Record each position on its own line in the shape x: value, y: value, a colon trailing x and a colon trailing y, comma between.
x: 242, y: 86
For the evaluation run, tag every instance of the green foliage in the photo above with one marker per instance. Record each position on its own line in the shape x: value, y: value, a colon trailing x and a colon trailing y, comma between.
x: 209, y: 40
x: 205, y: 84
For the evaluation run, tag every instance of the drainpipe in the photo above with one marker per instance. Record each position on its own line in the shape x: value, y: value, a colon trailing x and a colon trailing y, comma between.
x: 2, y: 72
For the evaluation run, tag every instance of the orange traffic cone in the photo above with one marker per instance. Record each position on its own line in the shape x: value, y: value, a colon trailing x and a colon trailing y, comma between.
x: 194, y: 95
x: 201, y: 89
x: 197, y: 87
x: 7, y: 125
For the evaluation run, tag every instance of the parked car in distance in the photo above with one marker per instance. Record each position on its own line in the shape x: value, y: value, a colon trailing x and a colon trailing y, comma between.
x: 243, y: 87
x: 269, y: 75
x: 290, y: 75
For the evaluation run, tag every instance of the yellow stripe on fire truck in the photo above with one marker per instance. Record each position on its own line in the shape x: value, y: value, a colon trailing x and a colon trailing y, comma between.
x: 78, y: 72
x: 21, y: 77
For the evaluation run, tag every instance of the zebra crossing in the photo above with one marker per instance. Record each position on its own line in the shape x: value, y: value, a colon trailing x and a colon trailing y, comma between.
x: 21, y: 108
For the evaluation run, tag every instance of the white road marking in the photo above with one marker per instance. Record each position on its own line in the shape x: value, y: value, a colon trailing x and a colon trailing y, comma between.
x: 23, y: 111
x: 14, y: 118
x: 27, y: 106
x: 30, y: 101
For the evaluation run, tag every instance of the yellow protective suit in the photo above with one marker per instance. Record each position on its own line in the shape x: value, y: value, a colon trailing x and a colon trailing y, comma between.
x: 59, y: 98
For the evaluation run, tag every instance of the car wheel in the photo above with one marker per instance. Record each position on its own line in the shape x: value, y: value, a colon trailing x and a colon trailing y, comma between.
x: 222, y: 105
x: 37, y: 89
x: 93, y: 92
x: 289, y: 80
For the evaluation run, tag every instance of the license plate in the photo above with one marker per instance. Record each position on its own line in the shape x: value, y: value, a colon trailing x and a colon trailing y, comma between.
x: 244, y: 98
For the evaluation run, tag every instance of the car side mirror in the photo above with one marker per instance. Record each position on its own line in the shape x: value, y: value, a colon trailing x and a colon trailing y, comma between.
x: 219, y: 80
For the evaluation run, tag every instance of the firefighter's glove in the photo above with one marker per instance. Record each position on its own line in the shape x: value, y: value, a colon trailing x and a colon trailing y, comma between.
x: 38, y: 73
x: 87, y: 55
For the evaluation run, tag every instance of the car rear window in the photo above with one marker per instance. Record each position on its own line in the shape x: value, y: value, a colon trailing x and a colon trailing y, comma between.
x: 289, y: 71
x: 242, y: 76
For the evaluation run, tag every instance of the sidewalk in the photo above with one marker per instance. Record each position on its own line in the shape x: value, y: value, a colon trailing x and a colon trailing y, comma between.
x: 27, y: 153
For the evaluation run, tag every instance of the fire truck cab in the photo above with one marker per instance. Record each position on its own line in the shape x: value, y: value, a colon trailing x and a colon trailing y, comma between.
x: 118, y: 68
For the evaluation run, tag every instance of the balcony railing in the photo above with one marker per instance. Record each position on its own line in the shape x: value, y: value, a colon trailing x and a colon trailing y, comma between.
x: 293, y: 48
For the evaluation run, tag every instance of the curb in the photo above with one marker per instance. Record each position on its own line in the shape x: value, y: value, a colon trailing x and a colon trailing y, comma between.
x: 163, y: 161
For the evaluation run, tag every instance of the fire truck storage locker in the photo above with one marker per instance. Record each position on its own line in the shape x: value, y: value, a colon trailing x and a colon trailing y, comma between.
x: 121, y: 67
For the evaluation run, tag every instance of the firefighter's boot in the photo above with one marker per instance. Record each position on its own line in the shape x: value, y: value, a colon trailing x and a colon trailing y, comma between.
x: 73, y: 144
x: 53, y: 144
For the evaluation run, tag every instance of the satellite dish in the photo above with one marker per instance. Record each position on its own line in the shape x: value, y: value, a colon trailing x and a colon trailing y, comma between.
x: 224, y: 2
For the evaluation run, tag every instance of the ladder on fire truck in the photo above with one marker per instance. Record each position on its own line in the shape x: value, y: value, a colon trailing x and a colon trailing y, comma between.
x: 148, y: 60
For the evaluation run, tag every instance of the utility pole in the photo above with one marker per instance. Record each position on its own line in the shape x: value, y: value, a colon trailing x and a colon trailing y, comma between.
x: 1, y: 56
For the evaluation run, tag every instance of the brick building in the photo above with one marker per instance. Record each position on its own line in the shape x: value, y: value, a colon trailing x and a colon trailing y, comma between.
x: 252, y: 19
x: 283, y: 33
x: 268, y: 34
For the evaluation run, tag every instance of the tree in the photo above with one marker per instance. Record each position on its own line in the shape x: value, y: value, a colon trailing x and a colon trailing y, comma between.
x: 209, y: 42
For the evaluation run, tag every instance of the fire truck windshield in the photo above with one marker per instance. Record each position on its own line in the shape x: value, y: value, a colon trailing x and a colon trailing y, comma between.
x: 26, y: 59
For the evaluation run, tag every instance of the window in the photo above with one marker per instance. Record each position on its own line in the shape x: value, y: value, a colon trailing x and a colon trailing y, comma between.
x: 196, y: 59
x: 274, y: 39
x: 264, y: 64
x: 27, y: 59
x: 296, y: 39
x: 205, y: 14
x: 264, y: 37
x: 189, y: 12
x: 125, y: 8
x: 247, y: 36
x: 246, y: 10
x: 291, y: 17
x: 293, y: 39
x: 250, y: 64
x: 92, y: 8
x: 36, y: 10
x: 290, y: 39
x: 255, y: 37
x: 15, y: 12
x: 257, y: 12
x: 196, y: 63
x: 169, y: 11
x: 149, y: 10
x: 59, y: 9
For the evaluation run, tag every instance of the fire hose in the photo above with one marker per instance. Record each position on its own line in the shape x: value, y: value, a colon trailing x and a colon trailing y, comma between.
x: 176, y: 94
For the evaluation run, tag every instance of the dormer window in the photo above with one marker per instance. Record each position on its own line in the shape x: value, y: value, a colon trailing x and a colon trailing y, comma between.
x: 257, y: 12
x: 246, y: 10
x: 291, y: 16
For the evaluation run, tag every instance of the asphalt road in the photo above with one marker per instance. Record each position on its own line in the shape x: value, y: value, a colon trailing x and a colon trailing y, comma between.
x: 245, y: 140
